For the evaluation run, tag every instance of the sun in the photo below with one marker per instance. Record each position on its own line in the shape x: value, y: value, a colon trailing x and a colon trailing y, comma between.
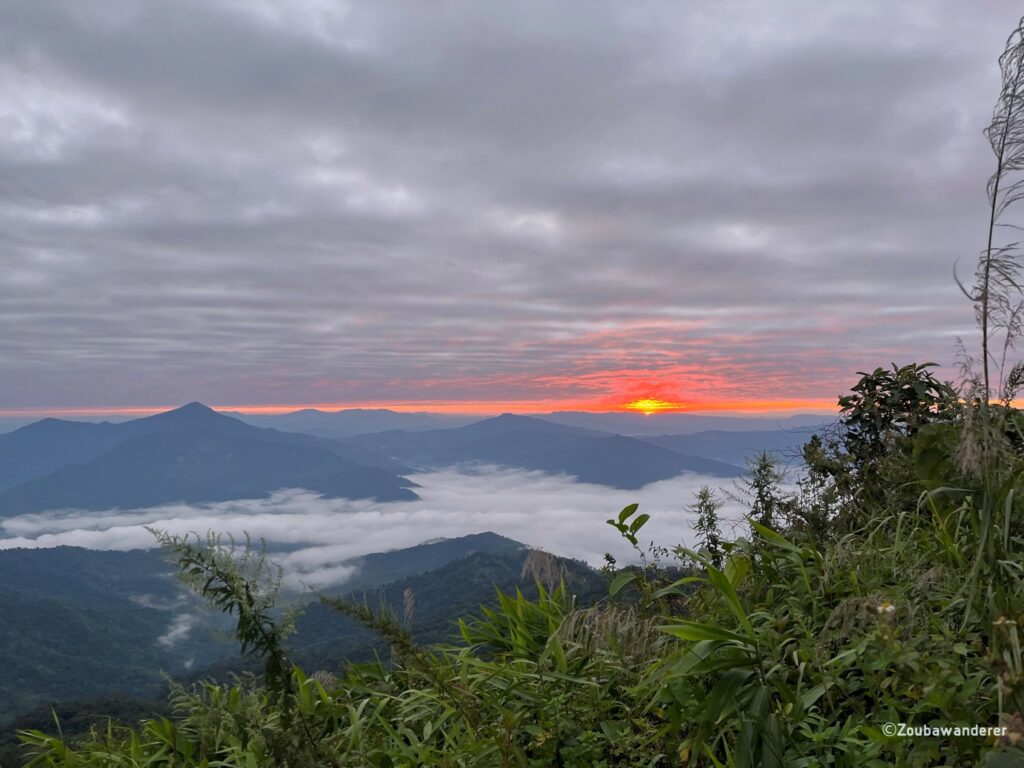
x: 649, y: 405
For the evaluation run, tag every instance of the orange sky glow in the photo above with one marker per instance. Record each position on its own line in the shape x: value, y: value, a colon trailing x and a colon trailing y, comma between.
x: 651, y: 406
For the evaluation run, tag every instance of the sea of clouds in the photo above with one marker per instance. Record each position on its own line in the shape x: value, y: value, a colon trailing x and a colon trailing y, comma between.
x: 314, y: 539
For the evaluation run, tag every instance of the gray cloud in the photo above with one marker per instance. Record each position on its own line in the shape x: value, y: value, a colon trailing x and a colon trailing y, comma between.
x: 313, y: 538
x: 234, y: 202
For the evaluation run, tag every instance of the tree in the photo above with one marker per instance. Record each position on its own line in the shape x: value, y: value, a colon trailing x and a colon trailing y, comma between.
x: 867, y: 457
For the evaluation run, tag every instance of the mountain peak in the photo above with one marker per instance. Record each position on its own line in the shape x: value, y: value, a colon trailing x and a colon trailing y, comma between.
x: 513, y: 418
x: 510, y: 421
x: 195, y: 408
x: 192, y: 413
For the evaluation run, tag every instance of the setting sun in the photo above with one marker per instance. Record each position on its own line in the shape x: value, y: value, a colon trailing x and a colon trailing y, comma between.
x: 649, y: 406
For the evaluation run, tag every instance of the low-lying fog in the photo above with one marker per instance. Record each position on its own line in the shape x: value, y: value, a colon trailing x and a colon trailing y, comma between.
x: 314, y: 536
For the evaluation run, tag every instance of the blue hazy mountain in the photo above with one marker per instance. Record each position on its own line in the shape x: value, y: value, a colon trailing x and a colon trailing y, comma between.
x: 526, y: 442
x: 738, y: 447
x: 352, y: 421
x: 190, y: 454
x: 358, y: 421
x: 637, y: 424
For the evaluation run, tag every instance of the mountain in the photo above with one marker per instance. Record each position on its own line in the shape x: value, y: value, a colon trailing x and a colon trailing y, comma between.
x: 190, y: 454
x: 44, y: 446
x: 440, y: 597
x: 80, y: 622
x: 381, y: 567
x: 530, y: 443
x: 352, y: 421
x: 89, y: 578
x: 738, y: 447
x: 56, y: 649
x: 637, y: 424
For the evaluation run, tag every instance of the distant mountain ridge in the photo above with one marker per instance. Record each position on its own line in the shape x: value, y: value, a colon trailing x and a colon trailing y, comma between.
x: 359, y: 421
x: 190, y: 454
x: 351, y: 421
x: 531, y: 443
x: 194, y: 454
x: 643, y: 425
x: 739, y: 447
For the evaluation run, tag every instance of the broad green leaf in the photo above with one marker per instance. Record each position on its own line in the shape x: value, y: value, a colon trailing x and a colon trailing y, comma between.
x: 736, y: 569
x: 773, y: 538
x: 620, y: 581
x: 637, y: 524
x: 718, y: 580
x: 810, y: 696
x: 627, y: 511
x: 694, y: 630
x: 673, y: 588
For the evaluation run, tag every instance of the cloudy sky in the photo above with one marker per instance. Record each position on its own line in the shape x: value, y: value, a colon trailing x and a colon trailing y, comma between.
x: 515, y: 205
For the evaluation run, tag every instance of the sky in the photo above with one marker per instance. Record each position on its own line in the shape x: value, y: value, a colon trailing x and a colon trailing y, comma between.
x: 518, y: 206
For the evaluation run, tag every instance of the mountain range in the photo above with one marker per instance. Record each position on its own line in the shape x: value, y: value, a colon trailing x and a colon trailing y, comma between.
x: 191, y: 454
x: 351, y: 421
x: 194, y: 454
x: 530, y: 443
x: 739, y: 447
x: 354, y: 421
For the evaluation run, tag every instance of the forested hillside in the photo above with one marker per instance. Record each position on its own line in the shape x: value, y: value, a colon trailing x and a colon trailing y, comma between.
x: 81, y: 624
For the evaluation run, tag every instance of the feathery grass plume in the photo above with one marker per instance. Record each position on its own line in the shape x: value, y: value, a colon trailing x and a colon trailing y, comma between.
x: 543, y: 568
x: 635, y: 641
x: 408, y: 605
x: 327, y: 679
x: 997, y: 288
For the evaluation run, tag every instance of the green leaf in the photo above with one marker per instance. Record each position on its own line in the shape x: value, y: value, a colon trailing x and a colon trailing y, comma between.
x: 772, y: 537
x: 627, y: 511
x: 736, y: 569
x: 694, y: 630
x: 724, y: 699
x: 1009, y: 759
x: 620, y: 581
x: 673, y: 588
x: 639, y: 522
x: 717, y: 578
x: 808, y: 697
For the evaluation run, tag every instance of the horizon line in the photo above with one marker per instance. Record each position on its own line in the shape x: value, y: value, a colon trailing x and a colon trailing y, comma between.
x: 448, y: 408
